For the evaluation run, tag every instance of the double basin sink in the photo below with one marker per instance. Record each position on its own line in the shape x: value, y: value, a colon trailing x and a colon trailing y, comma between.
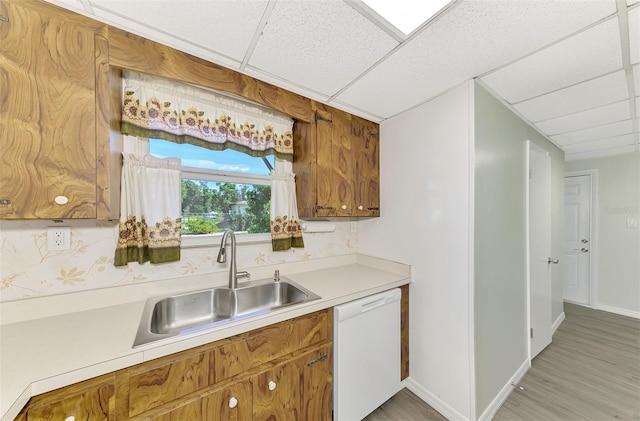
x: 165, y: 317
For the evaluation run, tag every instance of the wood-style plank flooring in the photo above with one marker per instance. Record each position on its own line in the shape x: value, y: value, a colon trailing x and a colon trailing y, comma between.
x: 591, y: 371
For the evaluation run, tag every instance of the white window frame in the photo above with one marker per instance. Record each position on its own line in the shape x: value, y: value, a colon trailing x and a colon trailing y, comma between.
x: 140, y: 145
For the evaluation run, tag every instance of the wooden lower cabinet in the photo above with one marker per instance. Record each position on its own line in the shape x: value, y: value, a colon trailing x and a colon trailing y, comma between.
x: 279, y: 372
x: 230, y: 403
x: 91, y: 400
x: 296, y: 390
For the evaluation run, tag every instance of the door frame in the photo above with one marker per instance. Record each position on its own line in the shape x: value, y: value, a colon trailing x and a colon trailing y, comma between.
x: 593, y: 227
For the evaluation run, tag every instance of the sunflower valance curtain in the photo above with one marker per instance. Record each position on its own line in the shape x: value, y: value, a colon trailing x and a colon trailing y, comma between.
x: 178, y: 112
x: 285, y: 225
x: 150, y: 214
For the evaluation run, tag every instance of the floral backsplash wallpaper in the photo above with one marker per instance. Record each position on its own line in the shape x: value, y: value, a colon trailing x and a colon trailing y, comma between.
x: 28, y: 269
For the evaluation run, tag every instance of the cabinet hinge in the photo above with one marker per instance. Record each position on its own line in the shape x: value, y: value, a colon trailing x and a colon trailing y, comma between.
x: 320, y: 118
x: 319, y: 207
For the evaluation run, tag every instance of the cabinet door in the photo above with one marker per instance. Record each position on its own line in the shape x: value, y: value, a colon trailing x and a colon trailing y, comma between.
x: 86, y: 402
x: 317, y: 392
x: 164, y: 381
x: 366, y: 143
x: 276, y: 393
x: 50, y: 62
x: 335, y: 166
x: 231, y: 403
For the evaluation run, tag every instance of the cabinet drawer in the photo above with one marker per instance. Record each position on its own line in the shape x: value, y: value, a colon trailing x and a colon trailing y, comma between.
x: 167, y: 381
x: 229, y: 403
x: 270, y: 343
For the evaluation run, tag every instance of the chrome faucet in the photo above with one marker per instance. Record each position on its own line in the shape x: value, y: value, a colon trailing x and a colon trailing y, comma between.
x: 222, y: 257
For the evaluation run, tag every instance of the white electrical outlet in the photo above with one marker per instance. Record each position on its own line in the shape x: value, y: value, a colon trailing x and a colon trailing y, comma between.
x: 58, y: 238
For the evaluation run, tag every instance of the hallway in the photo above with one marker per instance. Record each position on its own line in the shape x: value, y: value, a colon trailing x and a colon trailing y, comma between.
x: 591, y: 371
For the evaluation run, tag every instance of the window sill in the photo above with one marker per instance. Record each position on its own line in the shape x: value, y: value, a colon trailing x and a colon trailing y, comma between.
x: 213, y: 240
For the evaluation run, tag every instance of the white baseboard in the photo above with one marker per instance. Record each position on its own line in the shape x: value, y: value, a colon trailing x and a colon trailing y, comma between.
x: 432, y: 400
x: 557, y: 323
x: 618, y: 310
x: 502, y: 396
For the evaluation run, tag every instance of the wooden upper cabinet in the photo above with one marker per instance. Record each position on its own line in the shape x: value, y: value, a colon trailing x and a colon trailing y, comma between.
x: 54, y: 119
x: 336, y: 162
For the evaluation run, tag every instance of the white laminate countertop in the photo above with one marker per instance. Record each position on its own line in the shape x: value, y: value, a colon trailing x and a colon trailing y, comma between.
x: 54, y: 350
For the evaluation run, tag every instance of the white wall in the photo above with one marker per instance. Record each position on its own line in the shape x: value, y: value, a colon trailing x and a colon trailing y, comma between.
x: 501, y: 346
x: 618, y: 247
x: 426, y: 206
x: 501, y: 341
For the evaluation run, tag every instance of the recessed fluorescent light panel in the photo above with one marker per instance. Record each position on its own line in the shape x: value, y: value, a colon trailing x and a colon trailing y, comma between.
x: 406, y: 15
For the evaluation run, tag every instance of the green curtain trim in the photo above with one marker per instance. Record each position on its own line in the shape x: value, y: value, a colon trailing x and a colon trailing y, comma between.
x: 133, y: 130
x: 287, y: 243
x: 145, y: 254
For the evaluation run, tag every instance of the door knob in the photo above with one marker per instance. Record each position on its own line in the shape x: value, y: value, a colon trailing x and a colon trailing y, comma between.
x: 554, y: 261
x: 584, y: 250
x: 585, y: 241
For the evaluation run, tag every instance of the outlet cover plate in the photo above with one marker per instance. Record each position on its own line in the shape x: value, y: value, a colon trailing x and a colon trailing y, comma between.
x: 58, y: 238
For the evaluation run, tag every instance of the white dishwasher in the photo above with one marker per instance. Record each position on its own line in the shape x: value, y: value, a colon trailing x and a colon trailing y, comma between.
x: 366, y: 359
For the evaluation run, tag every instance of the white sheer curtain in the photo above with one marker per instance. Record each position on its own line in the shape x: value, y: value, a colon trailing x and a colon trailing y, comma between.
x: 285, y: 225
x: 150, y: 210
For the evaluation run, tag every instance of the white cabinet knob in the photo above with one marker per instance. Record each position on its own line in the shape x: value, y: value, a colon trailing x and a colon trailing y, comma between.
x: 233, y: 402
x: 344, y: 207
x: 272, y: 385
x: 360, y: 207
x: 61, y: 200
x: 71, y: 418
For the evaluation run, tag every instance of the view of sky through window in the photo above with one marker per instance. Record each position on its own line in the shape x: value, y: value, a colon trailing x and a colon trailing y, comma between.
x: 197, y: 157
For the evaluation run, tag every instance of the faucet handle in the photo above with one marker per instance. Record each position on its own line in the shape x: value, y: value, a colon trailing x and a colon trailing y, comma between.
x: 243, y: 274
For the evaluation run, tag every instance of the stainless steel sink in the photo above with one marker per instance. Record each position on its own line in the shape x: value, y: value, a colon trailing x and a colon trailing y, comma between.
x: 174, y: 315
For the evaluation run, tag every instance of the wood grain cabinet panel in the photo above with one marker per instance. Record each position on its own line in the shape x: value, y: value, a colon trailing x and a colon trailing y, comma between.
x: 92, y: 400
x: 317, y: 390
x: 336, y: 162
x: 277, y: 393
x: 53, y: 124
x: 150, y: 387
x: 297, y: 390
x: 230, y: 403
x: 271, y: 342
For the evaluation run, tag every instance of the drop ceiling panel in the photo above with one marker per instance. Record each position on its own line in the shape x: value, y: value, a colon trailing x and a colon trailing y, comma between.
x: 459, y: 46
x: 600, y: 153
x: 634, y: 35
x: 612, y: 142
x: 595, y: 133
x: 584, y: 96
x: 636, y: 79
x: 584, y: 56
x: 638, y: 107
x: 321, y: 45
x: 591, y: 118
x: 223, y: 27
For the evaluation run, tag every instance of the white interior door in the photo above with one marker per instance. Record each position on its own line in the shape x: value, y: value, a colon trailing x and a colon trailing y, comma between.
x: 539, y: 225
x: 577, y: 237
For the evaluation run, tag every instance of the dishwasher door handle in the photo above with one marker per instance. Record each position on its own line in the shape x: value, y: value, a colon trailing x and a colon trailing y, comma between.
x: 373, y: 305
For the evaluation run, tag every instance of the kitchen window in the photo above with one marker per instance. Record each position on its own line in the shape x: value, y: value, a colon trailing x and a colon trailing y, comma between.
x: 221, y: 190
